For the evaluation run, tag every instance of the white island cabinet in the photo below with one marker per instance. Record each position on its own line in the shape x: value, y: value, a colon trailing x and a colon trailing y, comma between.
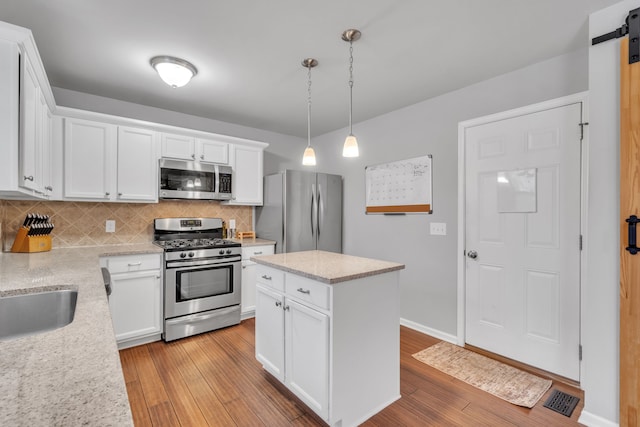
x: 328, y: 328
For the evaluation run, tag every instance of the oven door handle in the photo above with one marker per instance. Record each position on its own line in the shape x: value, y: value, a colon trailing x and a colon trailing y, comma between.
x: 203, y: 263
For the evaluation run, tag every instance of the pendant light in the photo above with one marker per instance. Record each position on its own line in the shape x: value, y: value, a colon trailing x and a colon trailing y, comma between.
x: 350, y: 148
x: 309, y: 156
x: 173, y: 71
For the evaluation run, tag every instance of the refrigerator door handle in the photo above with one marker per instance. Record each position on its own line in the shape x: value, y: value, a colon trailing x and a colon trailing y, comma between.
x: 313, y: 208
x: 320, y: 206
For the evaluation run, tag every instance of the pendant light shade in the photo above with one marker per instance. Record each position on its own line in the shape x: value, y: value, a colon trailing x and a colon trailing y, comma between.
x: 175, y: 72
x: 350, y: 148
x: 309, y: 156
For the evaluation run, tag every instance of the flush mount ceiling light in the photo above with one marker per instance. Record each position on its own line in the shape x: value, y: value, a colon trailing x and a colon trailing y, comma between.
x: 350, y: 148
x: 173, y: 71
x: 309, y: 156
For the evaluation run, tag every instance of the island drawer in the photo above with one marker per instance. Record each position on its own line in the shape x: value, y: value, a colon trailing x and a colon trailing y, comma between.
x: 129, y: 263
x: 270, y: 277
x: 308, y: 290
x: 249, y: 251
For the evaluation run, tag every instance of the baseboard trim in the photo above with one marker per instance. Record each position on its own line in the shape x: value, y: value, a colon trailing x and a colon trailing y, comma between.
x: 247, y: 314
x: 593, y: 420
x: 453, y: 339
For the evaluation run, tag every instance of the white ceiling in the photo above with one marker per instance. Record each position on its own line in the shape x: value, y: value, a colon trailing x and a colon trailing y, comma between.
x: 248, y: 53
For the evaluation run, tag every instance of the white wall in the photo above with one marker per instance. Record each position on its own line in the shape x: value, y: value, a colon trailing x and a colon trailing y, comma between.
x: 601, y: 287
x: 428, y: 284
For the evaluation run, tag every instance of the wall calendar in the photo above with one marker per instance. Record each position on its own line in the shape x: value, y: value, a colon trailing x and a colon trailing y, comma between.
x: 399, y: 187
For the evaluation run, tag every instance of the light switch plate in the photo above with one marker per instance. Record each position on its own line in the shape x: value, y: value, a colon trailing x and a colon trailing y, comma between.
x: 110, y: 226
x: 438, y: 228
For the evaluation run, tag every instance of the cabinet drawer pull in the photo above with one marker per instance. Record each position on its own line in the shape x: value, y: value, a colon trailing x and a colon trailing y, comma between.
x: 133, y: 264
x: 278, y: 303
x: 28, y: 178
x: 258, y: 253
x: 107, y: 194
x: 265, y: 277
x: 48, y: 188
x: 304, y: 291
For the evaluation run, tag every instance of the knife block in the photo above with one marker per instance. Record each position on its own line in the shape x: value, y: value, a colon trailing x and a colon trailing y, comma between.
x: 24, y: 243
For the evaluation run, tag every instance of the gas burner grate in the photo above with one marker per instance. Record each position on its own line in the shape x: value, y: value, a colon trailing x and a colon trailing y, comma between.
x: 562, y: 402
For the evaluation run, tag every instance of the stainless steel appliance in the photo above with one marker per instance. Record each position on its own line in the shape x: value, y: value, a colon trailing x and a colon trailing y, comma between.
x: 183, y: 179
x: 301, y: 211
x: 202, y: 274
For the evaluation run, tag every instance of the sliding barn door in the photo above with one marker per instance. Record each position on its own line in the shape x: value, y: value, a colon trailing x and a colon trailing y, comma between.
x: 629, y: 263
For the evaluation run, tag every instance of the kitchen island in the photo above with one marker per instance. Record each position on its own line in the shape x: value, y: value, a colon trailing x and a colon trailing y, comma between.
x: 72, y: 375
x: 328, y: 328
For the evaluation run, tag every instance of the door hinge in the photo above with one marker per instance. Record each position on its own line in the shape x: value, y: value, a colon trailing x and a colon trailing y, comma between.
x: 580, y: 352
x: 581, y: 242
x: 582, y: 125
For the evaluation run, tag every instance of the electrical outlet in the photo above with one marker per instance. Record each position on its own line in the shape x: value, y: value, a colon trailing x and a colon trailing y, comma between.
x: 110, y: 226
x: 439, y: 228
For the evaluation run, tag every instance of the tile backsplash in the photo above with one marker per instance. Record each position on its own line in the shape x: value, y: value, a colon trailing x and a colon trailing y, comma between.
x: 83, y: 223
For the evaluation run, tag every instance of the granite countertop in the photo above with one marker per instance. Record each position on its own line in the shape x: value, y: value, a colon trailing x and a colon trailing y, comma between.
x: 72, y: 375
x: 327, y: 267
x: 254, y: 242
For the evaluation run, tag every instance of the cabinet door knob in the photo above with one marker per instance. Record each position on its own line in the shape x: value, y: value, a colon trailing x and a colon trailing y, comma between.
x: 286, y: 308
x: 193, y: 156
x: 278, y: 303
x: 119, y: 194
x: 201, y: 156
x: 28, y: 178
x: 48, y: 188
x: 107, y: 194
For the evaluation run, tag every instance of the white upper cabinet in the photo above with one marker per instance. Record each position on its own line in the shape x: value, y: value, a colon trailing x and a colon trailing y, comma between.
x: 247, y: 163
x: 25, y: 102
x: 190, y: 148
x: 137, y: 164
x: 89, y: 156
x: 30, y: 118
x: 211, y: 151
x: 178, y: 146
x: 109, y: 163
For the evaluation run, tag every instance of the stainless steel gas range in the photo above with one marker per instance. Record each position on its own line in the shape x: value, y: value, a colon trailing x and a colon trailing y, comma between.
x: 202, y: 275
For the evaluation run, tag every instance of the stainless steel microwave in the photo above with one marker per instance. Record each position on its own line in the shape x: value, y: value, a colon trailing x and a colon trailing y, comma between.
x: 186, y: 179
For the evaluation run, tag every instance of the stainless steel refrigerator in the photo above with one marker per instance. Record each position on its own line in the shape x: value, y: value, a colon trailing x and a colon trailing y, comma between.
x: 301, y: 211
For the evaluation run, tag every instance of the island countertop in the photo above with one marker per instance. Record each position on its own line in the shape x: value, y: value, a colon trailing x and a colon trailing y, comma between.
x: 327, y: 267
x: 72, y: 375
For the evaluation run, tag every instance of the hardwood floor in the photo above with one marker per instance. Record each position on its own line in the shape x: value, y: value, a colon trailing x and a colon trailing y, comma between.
x: 214, y: 379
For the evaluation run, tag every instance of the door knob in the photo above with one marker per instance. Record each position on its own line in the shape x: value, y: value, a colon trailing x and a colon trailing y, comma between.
x: 472, y: 254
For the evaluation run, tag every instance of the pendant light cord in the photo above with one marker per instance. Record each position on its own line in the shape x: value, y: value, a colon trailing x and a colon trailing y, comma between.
x: 350, y: 87
x: 309, y: 106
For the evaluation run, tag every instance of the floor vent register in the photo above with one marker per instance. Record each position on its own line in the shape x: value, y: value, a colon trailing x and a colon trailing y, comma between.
x: 562, y: 402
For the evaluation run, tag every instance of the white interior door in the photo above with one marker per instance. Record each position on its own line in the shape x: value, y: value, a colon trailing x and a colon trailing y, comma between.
x: 522, y: 238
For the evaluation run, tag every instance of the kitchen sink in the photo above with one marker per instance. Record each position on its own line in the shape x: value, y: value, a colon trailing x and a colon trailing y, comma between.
x: 34, y: 313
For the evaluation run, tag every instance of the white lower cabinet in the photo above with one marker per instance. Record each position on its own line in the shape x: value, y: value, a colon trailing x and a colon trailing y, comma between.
x: 307, y: 355
x: 248, y: 294
x: 336, y: 347
x: 136, y: 298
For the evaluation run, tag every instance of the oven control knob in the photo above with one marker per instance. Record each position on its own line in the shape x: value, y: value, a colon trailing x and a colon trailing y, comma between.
x: 191, y: 254
x: 183, y: 255
x: 221, y: 252
x: 228, y: 251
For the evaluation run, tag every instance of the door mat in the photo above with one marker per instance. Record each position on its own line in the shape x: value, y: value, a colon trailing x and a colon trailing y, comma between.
x: 562, y: 402
x: 503, y: 381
